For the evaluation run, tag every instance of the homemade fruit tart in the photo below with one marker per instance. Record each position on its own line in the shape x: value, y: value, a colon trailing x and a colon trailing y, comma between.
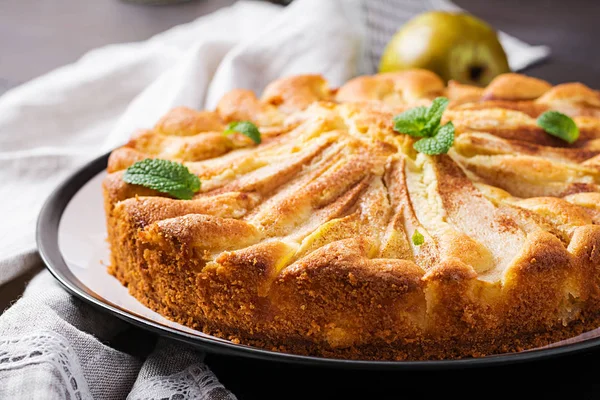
x: 363, y: 226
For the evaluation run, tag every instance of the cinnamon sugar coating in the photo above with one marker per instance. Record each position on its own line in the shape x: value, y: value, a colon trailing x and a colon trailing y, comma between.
x: 303, y: 243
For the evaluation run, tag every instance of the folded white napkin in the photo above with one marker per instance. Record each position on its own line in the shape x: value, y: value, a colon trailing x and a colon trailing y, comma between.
x: 53, y: 124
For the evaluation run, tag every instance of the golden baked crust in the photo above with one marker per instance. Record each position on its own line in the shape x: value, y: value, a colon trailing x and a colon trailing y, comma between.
x: 303, y: 243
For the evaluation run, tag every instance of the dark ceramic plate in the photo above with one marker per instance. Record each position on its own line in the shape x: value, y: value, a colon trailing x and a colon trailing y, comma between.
x: 71, y: 240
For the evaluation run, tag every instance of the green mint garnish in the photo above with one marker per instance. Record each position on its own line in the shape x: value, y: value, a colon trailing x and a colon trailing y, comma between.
x: 421, y: 121
x: 246, y: 128
x: 164, y: 176
x: 424, y: 122
x: 411, y: 122
x: 438, y: 144
x: 417, y: 238
x: 435, y: 112
x: 559, y: 125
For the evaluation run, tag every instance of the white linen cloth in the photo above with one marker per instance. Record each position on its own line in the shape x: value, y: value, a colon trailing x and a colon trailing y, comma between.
x: 55, y: 123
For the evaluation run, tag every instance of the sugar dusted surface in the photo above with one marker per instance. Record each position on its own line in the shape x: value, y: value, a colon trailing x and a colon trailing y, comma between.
x: 302, y: 243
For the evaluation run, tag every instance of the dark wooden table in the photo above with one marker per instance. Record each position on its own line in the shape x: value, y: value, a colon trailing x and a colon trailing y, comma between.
x: 38, y: 35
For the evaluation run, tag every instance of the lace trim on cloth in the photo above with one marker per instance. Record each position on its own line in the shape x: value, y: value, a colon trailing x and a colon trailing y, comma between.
x: 46, y: 347
x: 194, y: 382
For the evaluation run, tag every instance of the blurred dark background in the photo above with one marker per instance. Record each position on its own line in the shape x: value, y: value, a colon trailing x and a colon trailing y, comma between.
x: 39, y: 35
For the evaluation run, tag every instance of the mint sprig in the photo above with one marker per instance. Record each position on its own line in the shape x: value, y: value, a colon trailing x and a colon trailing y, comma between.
x: 246, y: 128
x: 412, y: 122
x: 425, y: 122
x: 164, y: 176
x: 559, y: 125
x: 417, y: 238
x: 440, y: 143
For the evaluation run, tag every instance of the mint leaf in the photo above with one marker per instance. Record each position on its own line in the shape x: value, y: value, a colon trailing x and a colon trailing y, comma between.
x: 417, y: 238
x: 559, y: 125
x: 424, y: 122
x: 435, y: 112
x: 421, y: 121
x: 246, y: 128
x: 440, y: 143
x: 412, y: 122
x: 164, y: 176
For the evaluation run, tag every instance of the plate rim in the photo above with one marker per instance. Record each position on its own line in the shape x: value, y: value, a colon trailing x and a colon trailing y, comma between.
x: 46, y: 235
